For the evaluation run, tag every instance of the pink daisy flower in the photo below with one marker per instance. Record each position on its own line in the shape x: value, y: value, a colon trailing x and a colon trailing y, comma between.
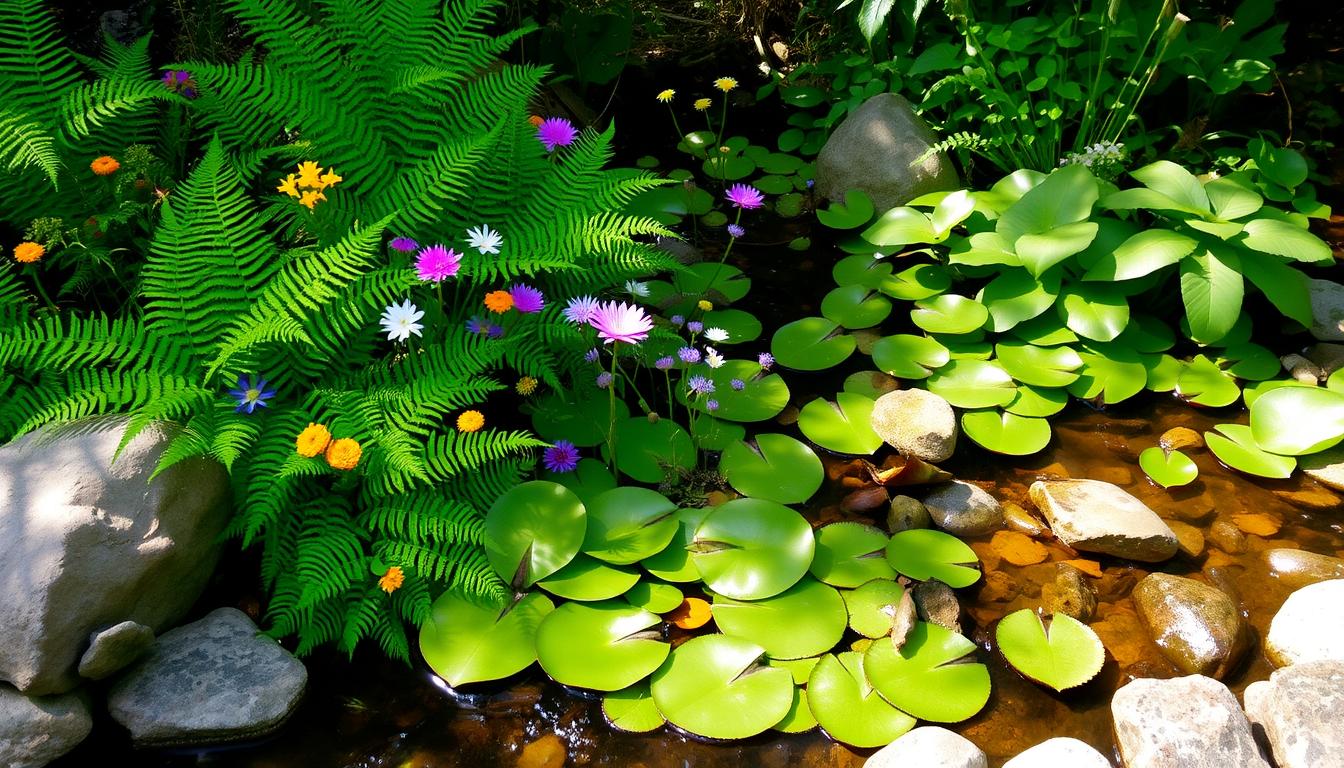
x: 622, y: 322
x: 556, y: 132
x: 745, y: 196
x: 436, y: 263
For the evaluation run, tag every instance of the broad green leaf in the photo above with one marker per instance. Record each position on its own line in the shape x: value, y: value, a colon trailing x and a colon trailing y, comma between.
x: 900, y: 227
x: 1280, y: 165
x: 647, y: 450
x: 849, y: 554
x: 763, y: 397
x: 1283, y: 239
x: 1168, y: 470
x: 714, y: 686
x: 872, y: 606
x: 800, y: 669
x: 854, y: 306
x: 949, y: 313
x: 811, y: 344
x: 919, y: 282
x: 842, y: 425
x: 923, y: 554
x: 870, y: 384
x: 1232, y: 198
x: 579, y: 417
x: 982, y: 249
x: 1175, y: 182
x: 855, y: 211
x: 1142, y: 254
x: 626, y: 525
x: 1147, y: 334
x: 1041, y: 366
x: 1006, y: 433
x: 1284, y: 286
x: 1144, y: 198
x: 1046, y: 330
x: 1014, y: 296
x: 872, y: 15
x: 711, y: 434
x: 806, y: 619
x: 720, y: 283
x: 1251, y: 362
x: 951, y: 211
x: 846, y: 705
x: 532, y: 531
x: 632, y: 710
x: 1064, y: 197
x: 1296, y: 421
x: 931, y: 660
x: 1163, y: 372
x: 741, y: 326
x: 1110, y: 373
x: 751, y: 549
x: 1204, y: 383
x: 861, y: 269
x: 799, y: 718
x: 588, y: 579
x: 603, y: 646
x: 1211, y: 290
x: 674, y: 562
x: 773, y: 467
x: 467, y: 642
x: 1065, y: 656
x: 909, y: 357
x: 1094, y: 311
x: 1237, y: 448
x: 973, y: 384
x: 588, y: 480
x: 1037, y: 401
x: 1039, y: 252
x: 654, y: 597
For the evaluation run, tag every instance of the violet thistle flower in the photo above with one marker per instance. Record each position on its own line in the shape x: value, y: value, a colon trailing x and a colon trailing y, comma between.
x: 435, y: 263
x: 677, y: 320
x: 699, y: 385
x: 527, y: 299
x: 591, y: 355
x: 404, y: 244
x: 695, y: 326
x: 561, y: 457
x: 664, y: 363
x: 765, y: 360
x: 736, y: 230
x: 745, y: 196
x: 737, y: 384
x: 580, y: 310
x: 711, y: 405
x: 556, y: 132
x: 689, y: 355
x: 604, y: 379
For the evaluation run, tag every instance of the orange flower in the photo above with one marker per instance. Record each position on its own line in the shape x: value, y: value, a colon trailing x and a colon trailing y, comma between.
x: 343, y: 453
x: 392, y: 580
x: 310, y: 174
x: 105, y: 165
x: 499, y: 301
x: 329, y: 178
x: 288, y: 186
x: 470, y: 421
x: 536, y: 120
x: 27, y: 253
x: 310, y: 198
x: 313, y: 440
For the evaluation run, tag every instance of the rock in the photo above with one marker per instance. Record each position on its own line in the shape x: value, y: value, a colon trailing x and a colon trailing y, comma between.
x: 1180, y: 438
x: 878, y: 148
x: 929, y: 747
x: 1226, y: 536
x: 1301, y: 709
x: 546, y: 752
x: 1058, y: 752
x: 1329, y: 356
x: 916, y: 422
x: 1019, y: 519
x: 905, y: 513
x: 937, y: 604
x: 1298, y: 568
x: 964, y: 509
x: 114, y: 648
x: 211, y: 681
x: 1313, y: 497
x: 1197, y: 627
x: 864, y: 499
x: 1070, y: 594
x: 1327, y: 310
x: 95, y: 543
x: 1188, y: 538
x: 1302, y: 369
x: 1185, y: 722
x: 35, y: 730
x: 1326, y: 467
x: 1309, y: 626
x: 1093, y: 516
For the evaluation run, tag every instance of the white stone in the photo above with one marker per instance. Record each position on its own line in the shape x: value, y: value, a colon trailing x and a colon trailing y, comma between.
x: 1061, y: 752
x: 1301, y: 709
x: 1309, y: 626
x: 916, y: 422
x: 35, y: 730
x: 964, y: 509
x: 1185, y: 722
x: 929, y: 747
x: 1096, y: 516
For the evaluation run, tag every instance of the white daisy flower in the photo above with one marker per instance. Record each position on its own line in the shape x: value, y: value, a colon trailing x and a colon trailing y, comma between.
x: 484, y: 239
x: 713, y: 358
x: 399, y: 320
x: 636, y: 288
x: 716, y: 334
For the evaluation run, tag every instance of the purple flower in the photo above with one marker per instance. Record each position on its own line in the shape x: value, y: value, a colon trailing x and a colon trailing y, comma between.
x: 180, y: 81
x: 738, y: 385
x: 811, y: 183
x: 580, y: 309
x: 695, y: 326
x: 561, y: 457
x: 249, y: 396
x: 735, y: 230
x: 591, y: 355
x: 622, y: 322
x: 699, y: 385
x: 677, y: 320
x: 664, y: 363
x: 765, y: 359
x: 404, y: 244
x: 711, y: 405
x: 556, y: 132
x: 604, y: 379
x: 745, y: 196
x: 527, y: 299
x: 495, y: 331
x: 689, y: 355
x: 436, y: 263
x: 476, y: 325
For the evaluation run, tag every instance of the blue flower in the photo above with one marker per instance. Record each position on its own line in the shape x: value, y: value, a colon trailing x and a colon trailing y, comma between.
x: 250, y: 396
x: 700, y: 385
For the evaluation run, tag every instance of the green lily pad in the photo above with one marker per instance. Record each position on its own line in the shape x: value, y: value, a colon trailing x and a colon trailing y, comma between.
x: 773, y: 467
x: 1045, y: 331
x: 804, y: 620
x: 855, y: 306
x: 973, y: 384
x: 970, y: 346
x: 587, y: 480
x: 799, y: 718
x: 582, y: 420
x: 709, y: 280
x: 1094, y: 311
x: 773, y: 185
x: 467, y: 642
x: 861, y: 269
x: 1064, y: 656
x: 848, y: 708
x: 626, y: 525
x: 1006, y: 433
x: 674, y: 562
x: 751, y: 549
x: 645, y: 449
x: 1147, y: 334
x: 762, y: 398
x: 909, y: 357
x: 801, y: 669
x: 843, y: 426
x: 1236, y: 447
x: 949, y: 313
x: 1204, y: 383
x: 779, y: 163
x: 741, y: 326
x: 1168, y: 469
x: 728, y: 167
x: 849, y: 554
x: 1163, y: 372
x: 1038, y: 402
x: 930, y: 661
x: 711, y: 434
x: 922, y: 281
x: 871, y: 607
x: 870, y: 384
x: 632, y: 710
x: 789, y: 205
x: 1251, y: 362
x: 532, y: 531
x: 854, y: 212
x: 1041, y: 366
x: 588, y: 579
x: 1295, y: 421
x: 1015, y: 297
x: 1110, y: 374
x: 1252, y: 392
x: 714, y: 219
x: 923, y: 554
x: 715, y: 686
x: 654, y: 597
x: 603, y: 646
x: 811, y: 344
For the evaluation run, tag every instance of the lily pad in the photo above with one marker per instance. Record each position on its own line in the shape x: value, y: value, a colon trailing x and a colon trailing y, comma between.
x: 923, y: 554
x: 1045, y: 331
x: 1095, y: 311
x: 843, y: 426
x: 1006, y: 433
x: 1147, y: 334
x: 720, y: 283
x: 1064, y: 656
x: 811, y: 344
x: 1168, y: 469
x: 973, y: 384
x: 603, y: 646
x: 773, y: 467
x: 763, y: 397
x: 751, y: 549
x: 587, y: 480
x: 711, y: 434
x: 1204, y: 383
x: 909, y: 357
x: 805, y: 620
x: 1163, y: 372
x: 848, y: 708
x: 922, y: 281
x: 1041, y: 366
x: 949, y: 313
x: 1251, y: 362
x: 1295, y: 421
x: 467, y: 642
x: 870, y: 384
x: 532, y: 531
x: 1236, y: 447
x: 872, y: 607
x: 861, y: 269
x: 741, y: 326
x: 1039, y: 402
x: 801, y: 669
x: 582, y: 420
x: 654, y: 597
x: 927, y: 678
x: 856, y: 210
x: 645, y: 450
x: 799, y: 718
x: 714, y: 686
x: 589, y: 579
x: 1015, y: 297
x: 1110, y: 374
x: 849, y: 554
x: 632, y: 710
x: 674, y: 562
x: 626, y: 525
x: 855, y: 306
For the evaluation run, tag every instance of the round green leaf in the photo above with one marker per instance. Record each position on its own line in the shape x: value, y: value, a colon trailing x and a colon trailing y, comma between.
x: 799, y: 668
x: 586, y: 481
x: 899, y: 227
x: 861, y: 269
x: 709, y: 280
x: 714, y: 219
x: 728, y: 167
x: 854, y: 212
x: 711, y: 434
x: 1204, y: 383
x: 779, y: 163
x: 849, y: 554
x: 578, y: 418
x: 870, y: 384
x: 644, y: 449
x: 811, y: 344
x: 632, y: 710
x: 799, y: 718
x: 949, y: 313
x: 1110, y: 374
x: 1041, y: 366
x: 789, y: 205
x: 805, y: 620
x: 843, y: 426
x: 674, y: 562
x: 1236, y: 447
x: 854, y: 306
x: 1168, y: 470
x: 871, y: 607
x: 773, y: 185
x: 927, y: 678
x: 973, y: 384
x: 1147, y: 334
x: 532, y: 531
x: 603, y: 646
x: 1064, y: 656
x: 1250, y: 361
x: 1295, y: 421
x: 1252, y: 392
x: 654, y: 597
x: 626, y: 525
x: 714, y: 686
x: 1015, y: 297
x: 923, y: 554
x: 916, y: 283
x: 773, y: 467
x: 1094, y: 311
x: 1039, y: 402
x: 1045, y: 331
x: 909, y: 357
x: 588, y: 579
x: 1163, y: 372
x: 763, y: 397
x: 1006, y: 433
x: 741, y: 326
x: 846, y: 706
x: 466, y: 642
x: 751, y: 549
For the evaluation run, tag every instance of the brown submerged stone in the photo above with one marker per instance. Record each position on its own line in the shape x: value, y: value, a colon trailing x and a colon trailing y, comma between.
x: 1197, y: 627
x: 1298, y: 568
x: 1070, y: 594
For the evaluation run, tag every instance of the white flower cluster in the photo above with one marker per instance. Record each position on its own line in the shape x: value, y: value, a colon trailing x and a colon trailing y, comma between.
x: 1105, y: 158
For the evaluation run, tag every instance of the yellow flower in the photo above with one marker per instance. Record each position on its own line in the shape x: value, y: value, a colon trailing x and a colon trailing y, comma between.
x: 105, y: 165
x: 288, y: 186
x: 725, y: 84
x: 703, y: 104
x: 470, y: 421
x: 499, y: 302
x: 310, y: 174
x: 392, y: 580
x: 310, y: 198
x: 343, y: 453
x: 704, y: 305
x: 329, y: 178
x: 526, y: 386
x: 27, y: 253
x: 313, y: 440
x: 666, y: 95
x: 535, y: 120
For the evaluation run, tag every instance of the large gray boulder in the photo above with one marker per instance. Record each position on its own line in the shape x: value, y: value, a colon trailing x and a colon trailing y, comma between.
x: 1197, y: 627
x: 86, y: 544
x: 1309, y: 626
x: 917, y: 423
x: 35, y: 730
x: 1095, y: 516
x: 214, y: 680
x: 1186, y: 722
x: 1301, y: 709
x: 878, y: 149
x: 929, y: 747
x: 1327, y: 310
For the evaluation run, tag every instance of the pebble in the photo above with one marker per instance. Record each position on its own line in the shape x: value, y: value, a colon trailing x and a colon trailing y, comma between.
x: 1060, y: 752
x: 1186, y: 722
x: 937, y: 604
x: 1180, y: 438
x: 907, y: 512
x: 1069, y: 594
x: 546, y: 752
x: 1301, y: 709
x: 1309, y: 626
x: 929, y: 747
x: 964, y: 509
x: 1188, y: 537
x: 1227, y: 536
x: 1298, y: 568
x: 1197, y: 627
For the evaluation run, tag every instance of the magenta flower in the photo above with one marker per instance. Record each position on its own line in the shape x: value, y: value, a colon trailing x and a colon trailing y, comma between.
x: 745, y: 196
x: 556, y: 132
x: 581, y: 309
x: 436, y: 263
x: 404, y: 244
x: 621, y: 322
x: 561, y: 457
x: 527, y: 299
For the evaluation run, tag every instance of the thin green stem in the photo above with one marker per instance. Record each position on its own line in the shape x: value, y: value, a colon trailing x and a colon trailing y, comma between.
x: 37, y: 283
x: 667, y: 382
x: 675, y: 126
x: 611, y: 412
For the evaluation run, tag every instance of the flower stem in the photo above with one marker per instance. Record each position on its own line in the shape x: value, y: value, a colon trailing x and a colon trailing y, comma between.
x: 611, y: 412
x: 713, y: 280
x: 37, y: 283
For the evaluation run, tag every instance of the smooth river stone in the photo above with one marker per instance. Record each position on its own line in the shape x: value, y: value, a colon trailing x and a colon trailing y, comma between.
x: 964, y: 509
x: 1309, y: 626
x: 916, y: 422
x: 1326, y: 467
x: 1094, y: 516
x: 929, y: 747
x: 1060, y: 752
x: 1298, y: 568
x: 1301, y: 709
x: 1197, y: 627
x: 1185, y: 722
